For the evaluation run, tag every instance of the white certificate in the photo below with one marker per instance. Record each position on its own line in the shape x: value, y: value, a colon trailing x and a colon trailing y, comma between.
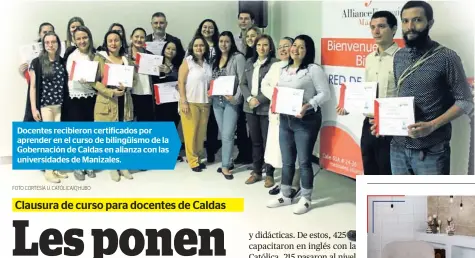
x: 358, y: 97
x: 30, y: 52
x: 84, y: 70
x: 222, y: 86
x: 393, y: 115
x: 114, y: 74
x: 287, y: 101
x: 166, y: 92
x: 155, y: 47
x: 148, y: 64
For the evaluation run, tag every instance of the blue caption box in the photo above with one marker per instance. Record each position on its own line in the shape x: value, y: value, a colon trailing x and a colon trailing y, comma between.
x: 95, y: 145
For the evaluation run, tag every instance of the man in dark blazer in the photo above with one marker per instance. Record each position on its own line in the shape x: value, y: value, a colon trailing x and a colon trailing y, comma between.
x: 159, y: 25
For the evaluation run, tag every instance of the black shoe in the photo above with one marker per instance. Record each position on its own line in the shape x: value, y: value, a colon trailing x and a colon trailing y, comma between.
x: 202, y: 166
x: 275, y: 190
x: 180, y: 158
x: 351, y: 235
x: 228, y: 177
x: 220, y: 170
x: 197, y: 169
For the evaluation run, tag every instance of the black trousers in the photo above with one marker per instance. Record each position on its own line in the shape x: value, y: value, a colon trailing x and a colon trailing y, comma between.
x: 375, y: 151
x: 258, y: 126
x: 81, y: 109
x: 243, y: 141
x: 143, y: 108
x: 212, y: 142
x: 167, y: 112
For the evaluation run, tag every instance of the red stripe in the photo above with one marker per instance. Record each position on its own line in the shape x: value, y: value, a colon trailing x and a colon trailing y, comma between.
x: 137, y: 58
x: 27, y: 76
x: 71, y: 74
x: 341, y: 103
x: 157, y: 94
x: 274, y: 100
x: 210, y: 91
x: 376, y: 115
x: 106, y: 75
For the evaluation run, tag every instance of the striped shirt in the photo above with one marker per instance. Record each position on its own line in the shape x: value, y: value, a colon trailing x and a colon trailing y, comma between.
x: 436, y: 85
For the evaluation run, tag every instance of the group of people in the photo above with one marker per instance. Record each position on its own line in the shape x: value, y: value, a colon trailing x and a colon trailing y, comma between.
x: 424, y: 69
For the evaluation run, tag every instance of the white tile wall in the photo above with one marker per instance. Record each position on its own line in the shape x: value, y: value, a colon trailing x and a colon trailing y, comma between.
x: 398, y: 224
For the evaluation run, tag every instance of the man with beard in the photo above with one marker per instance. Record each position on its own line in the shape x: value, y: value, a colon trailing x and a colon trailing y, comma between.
x: 434, y: 76
x: 378, y: 68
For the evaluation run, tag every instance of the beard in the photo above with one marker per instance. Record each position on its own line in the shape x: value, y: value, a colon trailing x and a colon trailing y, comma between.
x: 418, y: 42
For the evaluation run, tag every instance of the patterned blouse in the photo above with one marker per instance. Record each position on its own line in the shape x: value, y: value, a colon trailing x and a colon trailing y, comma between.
x: 53, y: 86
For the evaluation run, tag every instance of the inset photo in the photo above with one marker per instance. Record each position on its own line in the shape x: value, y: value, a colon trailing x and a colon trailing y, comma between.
x: 413, y: 226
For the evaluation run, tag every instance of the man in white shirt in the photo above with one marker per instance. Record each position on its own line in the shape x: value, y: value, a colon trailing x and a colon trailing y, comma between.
x: 379, y: 68
x: 245, y: 21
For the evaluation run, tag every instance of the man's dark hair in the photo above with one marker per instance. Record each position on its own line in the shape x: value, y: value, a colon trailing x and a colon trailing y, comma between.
x: 390, y: 18
x: 248, y: 12
x: 159, y: 14
x: 427, y: 8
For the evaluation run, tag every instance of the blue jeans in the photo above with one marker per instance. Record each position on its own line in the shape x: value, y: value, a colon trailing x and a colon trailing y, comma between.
x: 226, y: 116
x: 297, y: 137
x: 431, y: 161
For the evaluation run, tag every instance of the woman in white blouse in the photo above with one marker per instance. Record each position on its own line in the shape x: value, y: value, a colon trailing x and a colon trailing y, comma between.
x: 194, y: 76
x: 209, y: 30
x: 298, y: 133
x: 272, y: 156
x: 82, y: 95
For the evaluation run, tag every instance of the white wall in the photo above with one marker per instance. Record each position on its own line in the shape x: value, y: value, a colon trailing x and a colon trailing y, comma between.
x: 398, y: 224
x: 25, y: 17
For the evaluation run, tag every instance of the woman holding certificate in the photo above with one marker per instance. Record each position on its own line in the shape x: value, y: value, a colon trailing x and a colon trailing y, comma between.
x: 209, y: 30
x: 114, y: 101
x: 256, y: 105
x: 194, y: 76
x: 82, y: 95
x: 272, y: 155
x: 229, y: 62
x: 172, y: 57
x: 49, y: 88
x: 142, y: 91
x: 298, y: 133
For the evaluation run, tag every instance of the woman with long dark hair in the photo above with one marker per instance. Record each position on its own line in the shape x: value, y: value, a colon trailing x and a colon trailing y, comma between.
x: 173, y: 54
x: 298, y: 133
x: 229, y: 62
x: 82, y: 95
x: 49, y: 88
x: 210, y: 32
x: 113, y: 103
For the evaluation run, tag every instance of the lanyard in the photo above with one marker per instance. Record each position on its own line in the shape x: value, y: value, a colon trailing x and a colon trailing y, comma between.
x: 411, y: 69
